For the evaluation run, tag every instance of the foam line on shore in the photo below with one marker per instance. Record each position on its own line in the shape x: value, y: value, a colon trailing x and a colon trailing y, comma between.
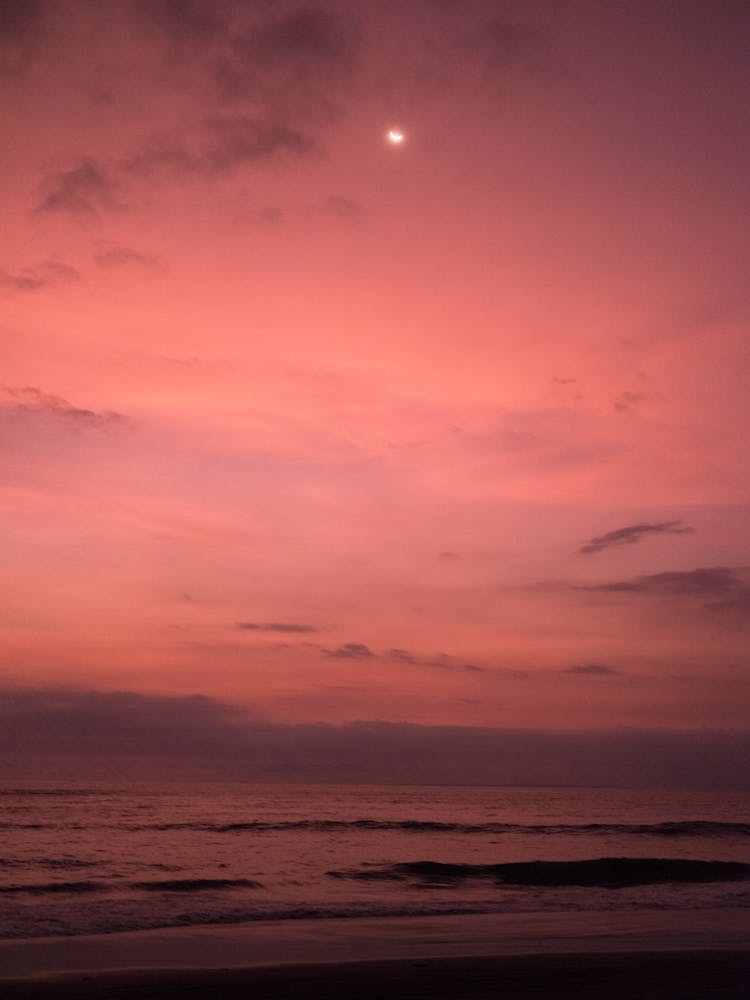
x: 368, y: 939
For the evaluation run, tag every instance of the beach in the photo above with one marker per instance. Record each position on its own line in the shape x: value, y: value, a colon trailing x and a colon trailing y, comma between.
x: 647, y: 954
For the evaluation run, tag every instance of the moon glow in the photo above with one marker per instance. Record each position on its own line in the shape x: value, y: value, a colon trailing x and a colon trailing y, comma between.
x: 395, y: 136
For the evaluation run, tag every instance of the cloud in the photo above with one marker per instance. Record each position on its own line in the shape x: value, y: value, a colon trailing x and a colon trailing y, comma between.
x: 21, y: 28
x: 84, y: 190
x: 295, y: 61
x: 224, y: 143
x: 500, y: 48
x: 592, y: 670
x: 32, y: 279
x: 507, y: 42
x: 627, y: 400
x: 442, y: 660
x: 343, y: 208
x: 715, y: 581
x: 184, y: 22
x: 29, y: 399
x: 715, y: 589
x: 241, y: 139
x: 287, y: 627
x: 351, y: 651
x: 633, y: 533
x: 402, y: 654
x: 109, y: 255
x: 130, y: 734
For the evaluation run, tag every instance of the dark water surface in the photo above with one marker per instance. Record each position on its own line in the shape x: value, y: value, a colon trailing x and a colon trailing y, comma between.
x: 100, y: 858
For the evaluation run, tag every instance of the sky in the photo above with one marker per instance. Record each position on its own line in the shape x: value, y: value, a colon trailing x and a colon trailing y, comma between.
x: 326, y: 429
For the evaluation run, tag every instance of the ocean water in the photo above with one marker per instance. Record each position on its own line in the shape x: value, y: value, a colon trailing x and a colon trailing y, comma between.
x: 98, y: 858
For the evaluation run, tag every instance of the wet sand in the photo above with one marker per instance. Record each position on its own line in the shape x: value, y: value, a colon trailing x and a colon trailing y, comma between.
x: 678, y: 954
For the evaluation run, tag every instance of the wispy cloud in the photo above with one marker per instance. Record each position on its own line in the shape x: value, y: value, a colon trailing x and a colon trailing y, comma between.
x: 29, y: 399
x: 33, y: 279
x: 592, y: 670
x: 343, y: 208
x: 290, y: 628
x: 713, y: 589
x: 109, y: 255
x: 222, y: 144
x: 713, y: 581
x: 293, y: 59
x: 184, y: 23
x: 351, y: 651
x: 633, y: 533
x: 83, y: 190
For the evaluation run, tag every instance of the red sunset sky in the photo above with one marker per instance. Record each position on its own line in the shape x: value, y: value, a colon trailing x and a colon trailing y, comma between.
x: 451, y: 432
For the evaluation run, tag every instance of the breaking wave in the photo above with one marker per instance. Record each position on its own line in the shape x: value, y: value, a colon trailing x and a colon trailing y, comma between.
x: 680, y: 828
x: 186, y: 885
x: 608, y: 873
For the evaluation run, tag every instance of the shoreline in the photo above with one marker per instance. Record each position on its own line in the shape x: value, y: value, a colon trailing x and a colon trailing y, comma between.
x: 356, y: 940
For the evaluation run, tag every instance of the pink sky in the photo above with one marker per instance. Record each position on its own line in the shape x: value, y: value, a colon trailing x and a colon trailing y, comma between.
x: 318, y: 425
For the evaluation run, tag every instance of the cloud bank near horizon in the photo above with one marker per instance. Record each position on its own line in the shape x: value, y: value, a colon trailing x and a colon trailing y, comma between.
x: 94, y: 734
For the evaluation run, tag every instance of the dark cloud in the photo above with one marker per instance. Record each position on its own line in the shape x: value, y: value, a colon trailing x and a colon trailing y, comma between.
x: 442, y: 660
x: 627, y: 400
x: 269, y: 215
x: 29, y: 399
x: 32, y: 279
x: 242, y: 139
x: 504, y: 43
x: 109, y: 255
x: 714, y: 581
x: 351, y: 651
x: 633, y: 533
x: 736, y: 603
x: 402, y: 654
x: 288, y: 627
x: 185, y: 22
x: 716, y: 590
x: 343, y: 208
x: 84, y: 190
x: 592, y: 670
x: 22, y: 24
x: 131, y: 734
x: 500, y: 48
x: 295, y: 61
x: 224, y: 144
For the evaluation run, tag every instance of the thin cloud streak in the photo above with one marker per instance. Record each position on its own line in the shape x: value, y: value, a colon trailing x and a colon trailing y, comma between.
x: 632, y: 534
x: 290, y: 628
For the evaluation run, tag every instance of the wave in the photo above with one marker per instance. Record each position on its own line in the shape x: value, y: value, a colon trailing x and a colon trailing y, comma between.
x: 58, y: 792
x: 611, y: 873
x: 683, y: 828
x: 668, y: 829
x: 186, y: 885
x: 54, y: 863
x: 45, y: 888
x: 195, y: 884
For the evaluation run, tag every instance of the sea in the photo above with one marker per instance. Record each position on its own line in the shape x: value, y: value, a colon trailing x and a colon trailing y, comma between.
x: 104, y: 857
